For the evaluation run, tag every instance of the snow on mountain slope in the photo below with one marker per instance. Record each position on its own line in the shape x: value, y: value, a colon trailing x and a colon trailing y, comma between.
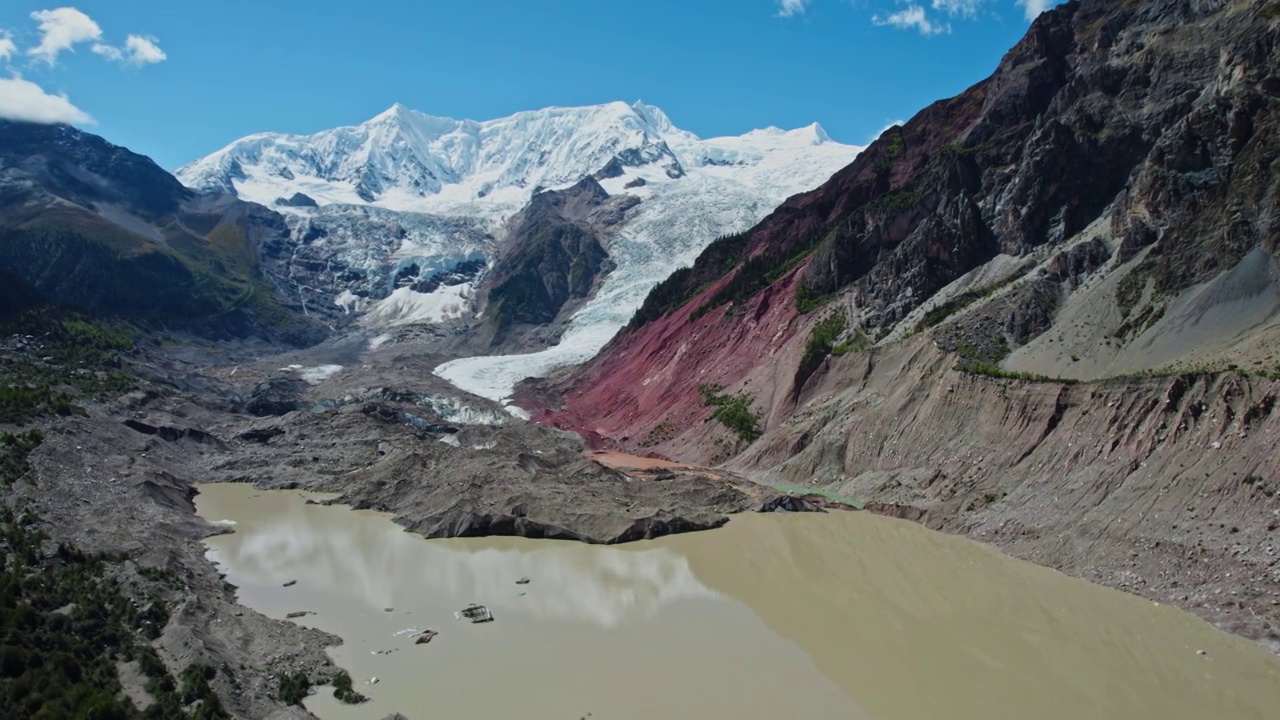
x: 406, y: 160
x: 403, y: 162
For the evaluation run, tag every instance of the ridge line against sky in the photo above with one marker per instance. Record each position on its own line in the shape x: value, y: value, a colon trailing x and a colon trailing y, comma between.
x: 177, y: 81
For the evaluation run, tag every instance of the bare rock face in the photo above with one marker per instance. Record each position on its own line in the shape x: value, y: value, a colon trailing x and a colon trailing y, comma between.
x: 1071, y: 267
x: 278, y: 395
x: 554, y: 259
x: 1086, y: 113
x: 297, y: 200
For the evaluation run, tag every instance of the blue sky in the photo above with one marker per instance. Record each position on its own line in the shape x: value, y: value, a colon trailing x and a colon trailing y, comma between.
x: 178, y: 79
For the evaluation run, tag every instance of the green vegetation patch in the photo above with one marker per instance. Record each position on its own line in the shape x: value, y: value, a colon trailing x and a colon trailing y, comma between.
x: 343, y: 691
x: 293, y: 688
x: 822, y: 340
x: 1140, y: 322
x: 722, y: 255
x: 14, y: 449
x: 660, y: 434
x: 985, y: 361
x: 1130, y: 288
x: 894, y: 147
x: 64, y: 625
x: 895, y: 202
x: 808, y: 299
x: 732, y: 411
x: 664, y: 298
x: 64, y: 351
x: 755, y: 275
x: 977, y: 367
x: 959, y: 149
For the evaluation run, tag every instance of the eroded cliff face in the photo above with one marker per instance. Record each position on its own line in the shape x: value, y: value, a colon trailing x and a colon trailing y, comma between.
x: 1043, y: 313
x: 1122, y: 156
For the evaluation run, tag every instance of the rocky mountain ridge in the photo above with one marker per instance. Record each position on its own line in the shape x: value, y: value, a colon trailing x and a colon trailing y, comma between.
x: 1103, y: 209
x: 1069, y: 185
x: 92, y: 226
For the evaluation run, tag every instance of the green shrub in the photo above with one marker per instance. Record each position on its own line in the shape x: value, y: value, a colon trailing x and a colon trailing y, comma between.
x: 14, y: 450
x: 732, y: 411
x: 892, y: 149
x: 808, y: 300
x: 660, y: 434
x: 293, y: 688
x: 822, y: 339
x: 65, y: 351
x: 717, y: 259
x: 343, y: 691
x: 65, y: 622
x: 977, y: 367
x: 940, y: 313
x: 753, y: 276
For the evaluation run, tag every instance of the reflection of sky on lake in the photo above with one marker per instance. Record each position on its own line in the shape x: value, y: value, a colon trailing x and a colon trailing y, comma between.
x: 367, y: 559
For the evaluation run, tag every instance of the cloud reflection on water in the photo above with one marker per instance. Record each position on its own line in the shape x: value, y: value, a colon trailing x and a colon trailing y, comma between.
x: 368, y: 558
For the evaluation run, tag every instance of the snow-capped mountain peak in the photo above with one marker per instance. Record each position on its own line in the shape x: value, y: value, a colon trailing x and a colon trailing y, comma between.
x: 403, y: 159
x: 654, y: 115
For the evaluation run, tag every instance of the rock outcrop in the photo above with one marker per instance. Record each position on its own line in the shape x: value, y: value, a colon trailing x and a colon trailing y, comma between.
x: 554, y: 259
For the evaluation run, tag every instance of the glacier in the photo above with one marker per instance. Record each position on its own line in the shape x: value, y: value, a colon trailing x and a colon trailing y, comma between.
x: 409, y: 188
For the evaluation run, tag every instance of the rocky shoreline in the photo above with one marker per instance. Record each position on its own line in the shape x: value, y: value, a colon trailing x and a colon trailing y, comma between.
x: 386, y: 435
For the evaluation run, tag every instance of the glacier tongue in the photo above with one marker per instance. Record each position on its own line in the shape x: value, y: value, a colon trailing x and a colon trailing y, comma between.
x: 407, y: 193
x: 671, y: 227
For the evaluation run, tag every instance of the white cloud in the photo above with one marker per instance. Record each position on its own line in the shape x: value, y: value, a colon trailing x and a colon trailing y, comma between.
x: 60, y: 29
x: 964, y: 8
x: 144, y: 50
x: 138, y: 50
x: 24, y: 100
x: 788, y: 8
x: 7, y: 48
x: 107, y: 51
x: 1034, y: 7
x: 912, y: 17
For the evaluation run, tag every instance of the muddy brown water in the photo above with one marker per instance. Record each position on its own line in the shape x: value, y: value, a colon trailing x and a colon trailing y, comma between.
x: 844, y: 615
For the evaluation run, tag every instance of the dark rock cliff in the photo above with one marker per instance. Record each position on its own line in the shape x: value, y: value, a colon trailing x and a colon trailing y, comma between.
x: 555, y: 257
